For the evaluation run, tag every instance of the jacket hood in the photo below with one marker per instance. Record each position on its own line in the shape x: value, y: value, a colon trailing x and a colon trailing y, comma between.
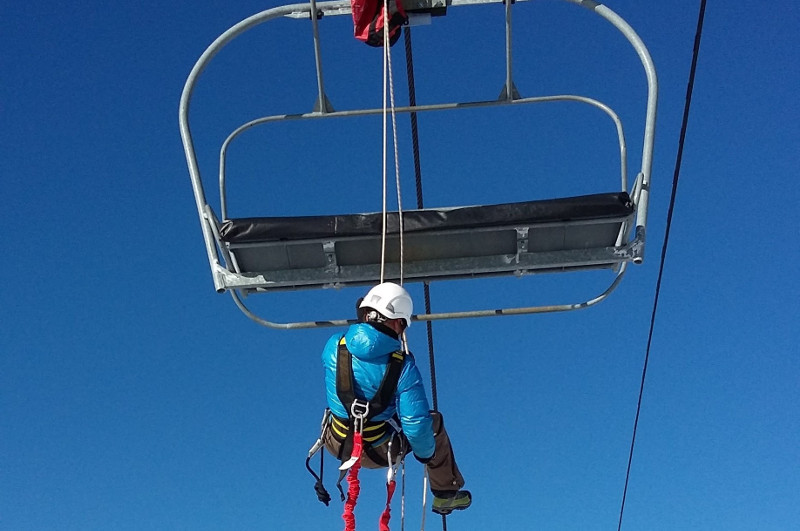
x: 365, y: 342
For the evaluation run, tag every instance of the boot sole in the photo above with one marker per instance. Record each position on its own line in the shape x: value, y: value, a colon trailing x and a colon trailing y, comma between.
x: 445, y: 512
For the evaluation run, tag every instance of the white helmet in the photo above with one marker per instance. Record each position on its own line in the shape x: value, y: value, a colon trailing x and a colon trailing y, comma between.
x: 390, y: 300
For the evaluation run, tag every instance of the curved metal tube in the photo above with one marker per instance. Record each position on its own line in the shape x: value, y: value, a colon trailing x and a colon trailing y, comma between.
x: 423, y: 108
x: 443, y: 315
x: 183, y: 115
x: 652, y: 101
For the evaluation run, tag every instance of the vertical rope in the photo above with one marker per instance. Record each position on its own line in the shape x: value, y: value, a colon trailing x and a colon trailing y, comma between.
x: 403, y: 497
x: 387, y: 75
x: 396, y: 157
x: 412, y: 102
x: 676, y: 175
x: 383, y: 127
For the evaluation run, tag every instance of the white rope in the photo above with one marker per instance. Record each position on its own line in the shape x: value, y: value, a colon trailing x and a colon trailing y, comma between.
x: 383, y: 230
x: 394, y: 145
x: 387, y: 74
x: 424, y: 498
x: 403, y: 498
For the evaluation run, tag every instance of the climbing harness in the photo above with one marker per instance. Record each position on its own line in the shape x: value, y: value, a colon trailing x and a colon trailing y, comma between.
x: 358, y: 433
x: 361, y: 412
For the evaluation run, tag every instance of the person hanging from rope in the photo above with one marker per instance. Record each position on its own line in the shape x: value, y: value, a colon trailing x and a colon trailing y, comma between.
x: 368, y: 370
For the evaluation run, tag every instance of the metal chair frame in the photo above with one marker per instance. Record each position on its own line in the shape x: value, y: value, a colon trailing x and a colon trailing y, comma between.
x: 227, y: 275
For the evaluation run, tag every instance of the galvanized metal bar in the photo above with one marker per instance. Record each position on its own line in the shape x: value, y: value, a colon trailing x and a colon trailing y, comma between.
x: 438, y: 269
x: 509, y: 95
x: 652, y: 102
x: 322, y: 101
x: 441, y: 315
x: 343, y: 7
x: 435, y: 107
x: 213, y: 223
x: 183, y: 118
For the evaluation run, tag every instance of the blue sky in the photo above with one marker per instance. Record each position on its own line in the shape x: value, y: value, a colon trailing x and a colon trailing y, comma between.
x: 132, y: 396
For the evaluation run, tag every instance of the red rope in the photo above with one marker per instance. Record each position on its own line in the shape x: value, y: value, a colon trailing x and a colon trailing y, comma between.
x: 384, y: 522
x: 354, y: 487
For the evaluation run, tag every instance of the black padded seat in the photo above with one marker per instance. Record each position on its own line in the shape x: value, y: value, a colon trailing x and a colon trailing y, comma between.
x: 574, y: 232
x: 582, y: 208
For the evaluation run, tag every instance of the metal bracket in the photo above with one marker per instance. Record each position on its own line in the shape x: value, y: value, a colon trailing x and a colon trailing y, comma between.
x: 329, y: 248
x: 522, y: 241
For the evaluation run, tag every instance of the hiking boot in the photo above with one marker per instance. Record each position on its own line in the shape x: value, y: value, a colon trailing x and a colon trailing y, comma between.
x: 446, y: 502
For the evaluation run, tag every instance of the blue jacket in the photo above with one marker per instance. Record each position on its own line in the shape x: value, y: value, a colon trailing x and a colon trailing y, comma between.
x: 370, y: 349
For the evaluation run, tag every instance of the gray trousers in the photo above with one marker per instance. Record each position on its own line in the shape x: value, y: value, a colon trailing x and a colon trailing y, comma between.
x: 443, y: 472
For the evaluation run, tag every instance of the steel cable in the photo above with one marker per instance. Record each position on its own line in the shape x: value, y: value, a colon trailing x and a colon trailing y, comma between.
x: 675, y: 177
